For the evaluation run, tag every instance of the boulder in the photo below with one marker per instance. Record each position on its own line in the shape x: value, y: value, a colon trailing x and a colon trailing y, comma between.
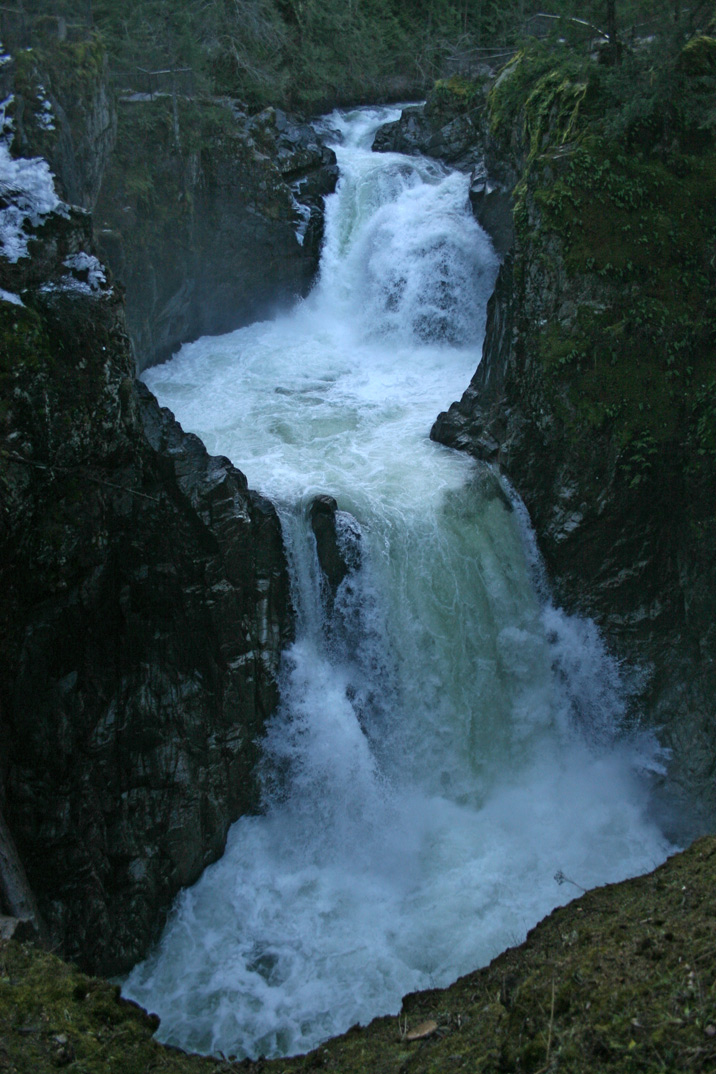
x: 337, y: 541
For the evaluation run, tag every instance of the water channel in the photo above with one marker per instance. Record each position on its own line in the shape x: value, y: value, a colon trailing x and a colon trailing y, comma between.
x: 448, y: 741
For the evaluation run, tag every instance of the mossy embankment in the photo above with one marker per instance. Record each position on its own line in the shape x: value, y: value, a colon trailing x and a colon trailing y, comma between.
x: 622, y: 979
x: 633, y: 205
x: 597, y: 390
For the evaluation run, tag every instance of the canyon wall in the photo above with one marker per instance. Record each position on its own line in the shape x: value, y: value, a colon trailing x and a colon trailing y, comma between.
x: 145, y: 598
x: 595, y: 393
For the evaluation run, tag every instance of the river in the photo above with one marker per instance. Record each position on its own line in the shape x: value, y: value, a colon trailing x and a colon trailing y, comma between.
x: 451, y: 758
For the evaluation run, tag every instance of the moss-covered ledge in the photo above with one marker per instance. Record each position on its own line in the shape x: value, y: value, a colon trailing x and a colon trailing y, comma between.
x: 621, y: 979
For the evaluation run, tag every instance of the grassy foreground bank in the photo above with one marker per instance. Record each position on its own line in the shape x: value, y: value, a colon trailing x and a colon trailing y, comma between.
x: 622, y: 979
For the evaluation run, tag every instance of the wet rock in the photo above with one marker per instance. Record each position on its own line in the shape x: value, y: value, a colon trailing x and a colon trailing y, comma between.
x: 435, y: 132
x: 306, y: 164
x: 337, y: 540
x: 143, y: 607
x: 492, y: 207
x: 409, y: 134
x: 300, y: 153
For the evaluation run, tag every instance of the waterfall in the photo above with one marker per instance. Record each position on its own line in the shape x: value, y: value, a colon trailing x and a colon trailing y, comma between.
x: 448, y: 742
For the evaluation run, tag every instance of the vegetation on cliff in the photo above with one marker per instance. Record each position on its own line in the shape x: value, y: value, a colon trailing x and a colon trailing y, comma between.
x: 598, y: 385
x: 621, y: 166
x: 622, y: 980
x: 304, y: 53
x: 314, y: 53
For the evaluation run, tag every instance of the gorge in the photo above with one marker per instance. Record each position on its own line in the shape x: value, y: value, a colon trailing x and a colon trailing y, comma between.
x: 439, y: 719
x: 348, y: 631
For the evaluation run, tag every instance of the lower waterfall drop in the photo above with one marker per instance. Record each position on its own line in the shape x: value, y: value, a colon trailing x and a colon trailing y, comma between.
x: 448, y: 742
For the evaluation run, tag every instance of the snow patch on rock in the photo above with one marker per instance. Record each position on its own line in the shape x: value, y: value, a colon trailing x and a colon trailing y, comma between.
x: 28, y: 189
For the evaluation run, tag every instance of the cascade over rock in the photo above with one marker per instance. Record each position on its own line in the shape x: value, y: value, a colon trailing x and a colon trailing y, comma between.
x: 452, y: 127
x: 445, y: 734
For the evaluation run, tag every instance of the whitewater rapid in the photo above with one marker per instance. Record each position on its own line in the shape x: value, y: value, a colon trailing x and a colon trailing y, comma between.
x: 448, y: 742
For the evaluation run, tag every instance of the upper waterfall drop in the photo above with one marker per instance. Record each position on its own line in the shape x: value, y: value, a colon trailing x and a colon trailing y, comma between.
x: 447, y: 740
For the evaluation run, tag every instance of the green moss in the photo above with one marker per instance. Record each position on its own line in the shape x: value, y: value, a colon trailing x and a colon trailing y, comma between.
x: 71, y: 66
x: 640, y: 231
x: 698, y: 56
x: 52, y: 1016
x: 539, y: 97
x: 455, y: 95
x: 23, y: 341
x: 631, y: 232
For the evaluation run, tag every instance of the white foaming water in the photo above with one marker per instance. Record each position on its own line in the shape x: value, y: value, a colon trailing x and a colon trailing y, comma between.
x: 447, y: 741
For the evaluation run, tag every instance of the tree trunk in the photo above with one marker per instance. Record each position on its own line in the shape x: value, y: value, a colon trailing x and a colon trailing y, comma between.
x: 612, y: 31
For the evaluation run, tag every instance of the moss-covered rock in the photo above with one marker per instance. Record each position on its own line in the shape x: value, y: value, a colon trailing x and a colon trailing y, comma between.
x: 64, y: 112
x: 596, y: 388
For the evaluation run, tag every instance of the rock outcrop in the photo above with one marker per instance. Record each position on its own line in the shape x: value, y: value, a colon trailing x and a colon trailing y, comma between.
x: 595, y: 392
x: 337, y: 541
x: 64, y: 112
x: 144, y: 602
x: 209, y: 218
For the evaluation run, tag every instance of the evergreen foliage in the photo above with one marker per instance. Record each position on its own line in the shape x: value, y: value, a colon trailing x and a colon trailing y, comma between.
x: 312, y: 53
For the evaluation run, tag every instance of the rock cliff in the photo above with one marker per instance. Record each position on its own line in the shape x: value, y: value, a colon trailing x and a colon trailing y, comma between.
x: 210, y: 218
x: 595, y: 393
x: 144, y: 596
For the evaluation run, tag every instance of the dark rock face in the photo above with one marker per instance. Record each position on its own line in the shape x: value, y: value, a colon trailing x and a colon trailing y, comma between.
x: 144, y: 607
x: 492, y: 207
x: 337, y: 541
x: 306, y: 164
x: 432, y: 133
x: 627, y: 536
x: 209, y: 219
